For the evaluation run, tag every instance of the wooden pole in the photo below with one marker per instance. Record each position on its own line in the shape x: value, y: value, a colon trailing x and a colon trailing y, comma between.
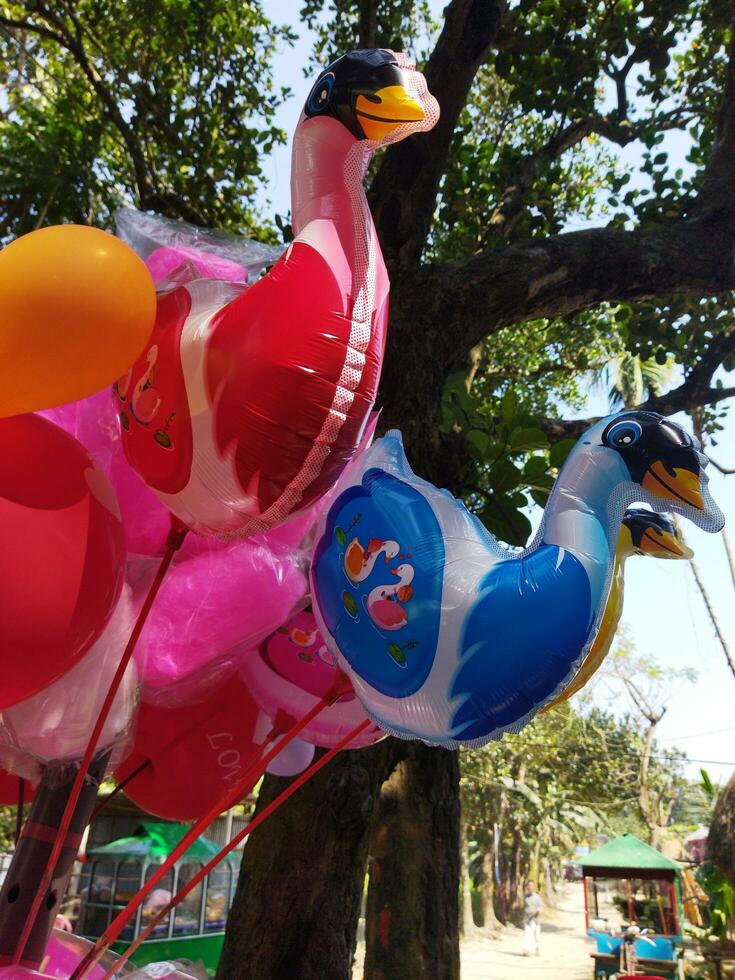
x: 31, y: 857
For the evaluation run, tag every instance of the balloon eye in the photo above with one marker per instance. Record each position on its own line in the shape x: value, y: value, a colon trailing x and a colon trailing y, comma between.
x: 624, y: 434
x: 321, y: 94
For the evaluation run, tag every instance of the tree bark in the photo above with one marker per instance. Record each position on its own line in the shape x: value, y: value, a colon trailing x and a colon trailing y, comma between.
x: 490, y: 922
x: 467, y: 925
x: 413, y: 896
x: 298, y: 898
x: 721, y: 840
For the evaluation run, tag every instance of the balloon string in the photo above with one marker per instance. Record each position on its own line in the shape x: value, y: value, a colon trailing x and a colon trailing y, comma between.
x: 173, y: 543
x: 222, y: 854
x: 228, y: 799
x: 19, y: 811
x: 119, y: 788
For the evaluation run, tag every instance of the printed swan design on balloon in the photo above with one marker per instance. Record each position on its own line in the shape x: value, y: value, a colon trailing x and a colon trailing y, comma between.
x: 384, y: 603
x: 359, y: 562
x: 642, y: 532
x: 262, y: 393
x: 491, y: 636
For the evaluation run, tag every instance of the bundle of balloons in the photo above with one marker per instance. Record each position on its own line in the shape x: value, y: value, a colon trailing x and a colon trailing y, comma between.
x: 156, y: 383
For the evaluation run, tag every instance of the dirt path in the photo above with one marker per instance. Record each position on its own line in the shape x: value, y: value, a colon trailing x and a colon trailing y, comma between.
x: 564, y: 948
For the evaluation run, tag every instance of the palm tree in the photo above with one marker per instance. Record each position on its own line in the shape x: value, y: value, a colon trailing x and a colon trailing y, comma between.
x: 632, y: 380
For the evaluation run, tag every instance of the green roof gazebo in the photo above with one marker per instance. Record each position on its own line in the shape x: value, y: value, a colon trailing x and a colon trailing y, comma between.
x: 628, y: 859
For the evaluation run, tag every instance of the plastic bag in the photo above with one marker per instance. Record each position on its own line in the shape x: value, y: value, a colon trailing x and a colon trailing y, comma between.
x: 165, y: 243
x: 54, y: 724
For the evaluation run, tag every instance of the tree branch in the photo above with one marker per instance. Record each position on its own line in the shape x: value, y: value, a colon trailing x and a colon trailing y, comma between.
x: 615, y: 128
x: 367, y: 24
x: 560, y: 275
x: 725, y: 470
x: 720, y: 175
x: 404, y: 190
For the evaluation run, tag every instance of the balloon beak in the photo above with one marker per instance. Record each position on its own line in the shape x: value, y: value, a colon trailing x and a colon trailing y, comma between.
x: 389, y: 108
x: 680, y: 485
x: 664, y: 545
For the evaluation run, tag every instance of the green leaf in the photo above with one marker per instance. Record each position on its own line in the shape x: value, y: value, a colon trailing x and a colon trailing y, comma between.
x: 505, y: 521
x: 479, y: 441
x: 540, y: 497
x: 527, y: 439
x: 505, y: 475
x: 535, y: 466
x: 341, y: 537
x: 707, y: 784
x: 509, y: 405
x: 560, y: 451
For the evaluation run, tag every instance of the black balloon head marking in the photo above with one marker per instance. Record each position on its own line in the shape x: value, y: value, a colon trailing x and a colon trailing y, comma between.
x: 655, y: 534
x: 365, y: 91
x: 659, y: 455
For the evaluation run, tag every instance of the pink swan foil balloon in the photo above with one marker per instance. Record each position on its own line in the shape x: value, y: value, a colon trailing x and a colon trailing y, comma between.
x: 291, y: 671
x: 220, y: 600
x: 94, y: 422
x: 54, y: 724
x: 247, y: 404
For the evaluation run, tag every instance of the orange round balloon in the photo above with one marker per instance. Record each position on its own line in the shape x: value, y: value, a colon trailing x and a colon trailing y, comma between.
x: 77, y: 306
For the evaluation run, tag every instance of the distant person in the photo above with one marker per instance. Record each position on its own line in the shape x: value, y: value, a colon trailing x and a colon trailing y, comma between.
x: 532, y: 920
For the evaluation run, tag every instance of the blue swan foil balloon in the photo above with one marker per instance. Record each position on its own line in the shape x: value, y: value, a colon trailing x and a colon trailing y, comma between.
x: 447, y: 635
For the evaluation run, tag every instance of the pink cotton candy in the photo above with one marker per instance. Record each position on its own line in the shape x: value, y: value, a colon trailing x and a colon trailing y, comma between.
x: 163, y: 261
x: 213, y: 606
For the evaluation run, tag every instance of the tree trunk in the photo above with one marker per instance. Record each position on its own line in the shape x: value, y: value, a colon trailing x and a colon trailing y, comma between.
x: 298, y: 898
x: 413, y: 897
x: 490, y: 922
x: 721, y: 841
x: 467, y: 925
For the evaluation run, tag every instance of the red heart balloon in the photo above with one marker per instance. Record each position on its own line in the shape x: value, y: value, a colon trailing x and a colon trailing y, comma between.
x: 195, y: 752
x: 62, y: 557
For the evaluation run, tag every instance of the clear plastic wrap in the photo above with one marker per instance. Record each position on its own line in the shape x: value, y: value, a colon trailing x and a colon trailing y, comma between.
x: 65, y: 951
x: 54, y: 724
x: 447, y: 635
x: 165, y: 243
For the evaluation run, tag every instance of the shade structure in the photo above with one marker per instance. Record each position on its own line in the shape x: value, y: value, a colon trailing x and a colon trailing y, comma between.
x: 627, y: 856
x: 155, y: 841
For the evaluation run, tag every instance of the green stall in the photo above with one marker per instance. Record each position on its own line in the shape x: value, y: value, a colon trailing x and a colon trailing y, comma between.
x: 195, y: 929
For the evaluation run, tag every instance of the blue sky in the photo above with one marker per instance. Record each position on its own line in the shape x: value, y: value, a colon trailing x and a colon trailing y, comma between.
x: 663, y: 608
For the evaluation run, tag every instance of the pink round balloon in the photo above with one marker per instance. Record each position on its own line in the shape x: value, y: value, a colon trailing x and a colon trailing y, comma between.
x: 94, y: 422
x: 291, y: 671
x: 294, y: 758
